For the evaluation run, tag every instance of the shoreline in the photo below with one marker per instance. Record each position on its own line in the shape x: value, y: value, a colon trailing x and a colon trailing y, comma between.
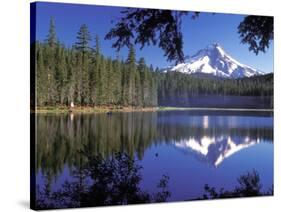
x: 87, y: 109
x: 217, y: 109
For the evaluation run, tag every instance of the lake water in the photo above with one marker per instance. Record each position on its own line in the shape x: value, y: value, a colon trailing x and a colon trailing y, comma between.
x: 219, y: 101
x: 192, y: 148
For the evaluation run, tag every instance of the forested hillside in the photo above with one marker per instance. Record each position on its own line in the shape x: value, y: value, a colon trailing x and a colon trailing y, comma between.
x: 83, y: 75
x: 176, y: 84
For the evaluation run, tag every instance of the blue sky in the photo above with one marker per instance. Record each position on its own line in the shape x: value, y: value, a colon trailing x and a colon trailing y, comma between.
x: 208, y: 28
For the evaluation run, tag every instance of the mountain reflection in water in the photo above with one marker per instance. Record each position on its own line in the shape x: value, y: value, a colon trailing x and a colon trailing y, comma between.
x: 207, y: 136
x: 215, y: 150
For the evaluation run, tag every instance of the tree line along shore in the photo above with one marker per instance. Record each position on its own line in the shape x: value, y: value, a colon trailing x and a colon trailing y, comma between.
x: 82, y: 75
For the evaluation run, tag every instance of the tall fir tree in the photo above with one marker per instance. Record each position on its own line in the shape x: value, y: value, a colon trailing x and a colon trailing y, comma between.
x: 41, y: 76
x: 95, y: 73
x: 51, y: 62
x: 117, y: 82
x: 142, y: 68
x: 131, y: 72
x: 83, y: 40
x: 102, y: 77
x: 82, y: 45
x: 52, y: 37
x: 61, y: 74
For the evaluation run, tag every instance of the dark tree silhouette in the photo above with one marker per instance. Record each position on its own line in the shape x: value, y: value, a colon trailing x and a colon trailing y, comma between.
x: 163, y: 28
x: 102, y: 181
x: 249, y: 186
x: 150, y: 26
x: 257, y: 31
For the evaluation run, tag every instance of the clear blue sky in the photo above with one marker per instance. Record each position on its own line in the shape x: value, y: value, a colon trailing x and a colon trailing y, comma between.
x: 206, y: 29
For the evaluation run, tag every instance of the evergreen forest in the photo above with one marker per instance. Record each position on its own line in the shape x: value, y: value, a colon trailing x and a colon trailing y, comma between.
x: 83, y: 75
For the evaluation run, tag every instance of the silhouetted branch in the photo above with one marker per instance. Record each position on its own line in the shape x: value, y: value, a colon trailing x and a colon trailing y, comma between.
x: 150, y: 26
x: 249, y: 186
x: 257, y: 31
x: 163, y: 28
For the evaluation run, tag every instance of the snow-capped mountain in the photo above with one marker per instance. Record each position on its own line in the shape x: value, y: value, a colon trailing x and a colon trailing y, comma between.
x: 214, y: 61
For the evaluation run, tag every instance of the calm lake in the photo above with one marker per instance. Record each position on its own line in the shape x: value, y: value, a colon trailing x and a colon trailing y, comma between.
x: 192, y: 148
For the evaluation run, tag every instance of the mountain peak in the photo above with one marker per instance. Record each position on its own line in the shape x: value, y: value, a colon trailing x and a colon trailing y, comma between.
x: 214, y: 45
x: 213, y: 60
x: 218, y: 47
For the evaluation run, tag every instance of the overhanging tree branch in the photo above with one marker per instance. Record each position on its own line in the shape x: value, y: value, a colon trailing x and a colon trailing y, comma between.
x: 257, y: 31
x: 163, y: 28
x: 150, y: 26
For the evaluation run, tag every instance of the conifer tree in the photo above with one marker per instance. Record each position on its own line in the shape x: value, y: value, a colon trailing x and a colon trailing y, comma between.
x: 131, y: 62
x: 61, y: 74
x: 51, y: 37
x: 102, y: 78
x: 138, y: 90
x: 110, y: 82
x: 117, y: 82
x: 83, y: 40
x: 142, y: 68
x: 94, y: 73
x: 82, y: 45
x: 50, y: 65
x: 41, y: 76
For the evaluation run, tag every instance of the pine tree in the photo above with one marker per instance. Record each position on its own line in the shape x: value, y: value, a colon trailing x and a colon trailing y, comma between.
x: 125, y: 85
x: 71, y: 76
x: 110, y: 82
x: 78, y: 78
x: 82, y: 46
x: 51, y: 84
x: 143, y: 70
x: 61, y: 74
x: 51, y: 37
x: 83, y: 40
x: 138, y: 90
x: 95, y: 73
x: 50, y: 61
x: 141, y: 64
x: 86, y: 64
x: 117, y: 82
x: 102, y: 90
x: 40, y: 76
x: 131, y: 62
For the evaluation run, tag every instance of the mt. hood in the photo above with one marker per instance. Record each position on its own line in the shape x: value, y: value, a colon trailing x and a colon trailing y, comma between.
x: 214, y: 61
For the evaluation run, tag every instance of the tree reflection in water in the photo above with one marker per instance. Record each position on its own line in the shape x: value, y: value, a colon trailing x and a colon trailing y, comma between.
x: 105, y: 172
x: 59, y: 137
x: 115, y: 181
x: 102, y: 181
